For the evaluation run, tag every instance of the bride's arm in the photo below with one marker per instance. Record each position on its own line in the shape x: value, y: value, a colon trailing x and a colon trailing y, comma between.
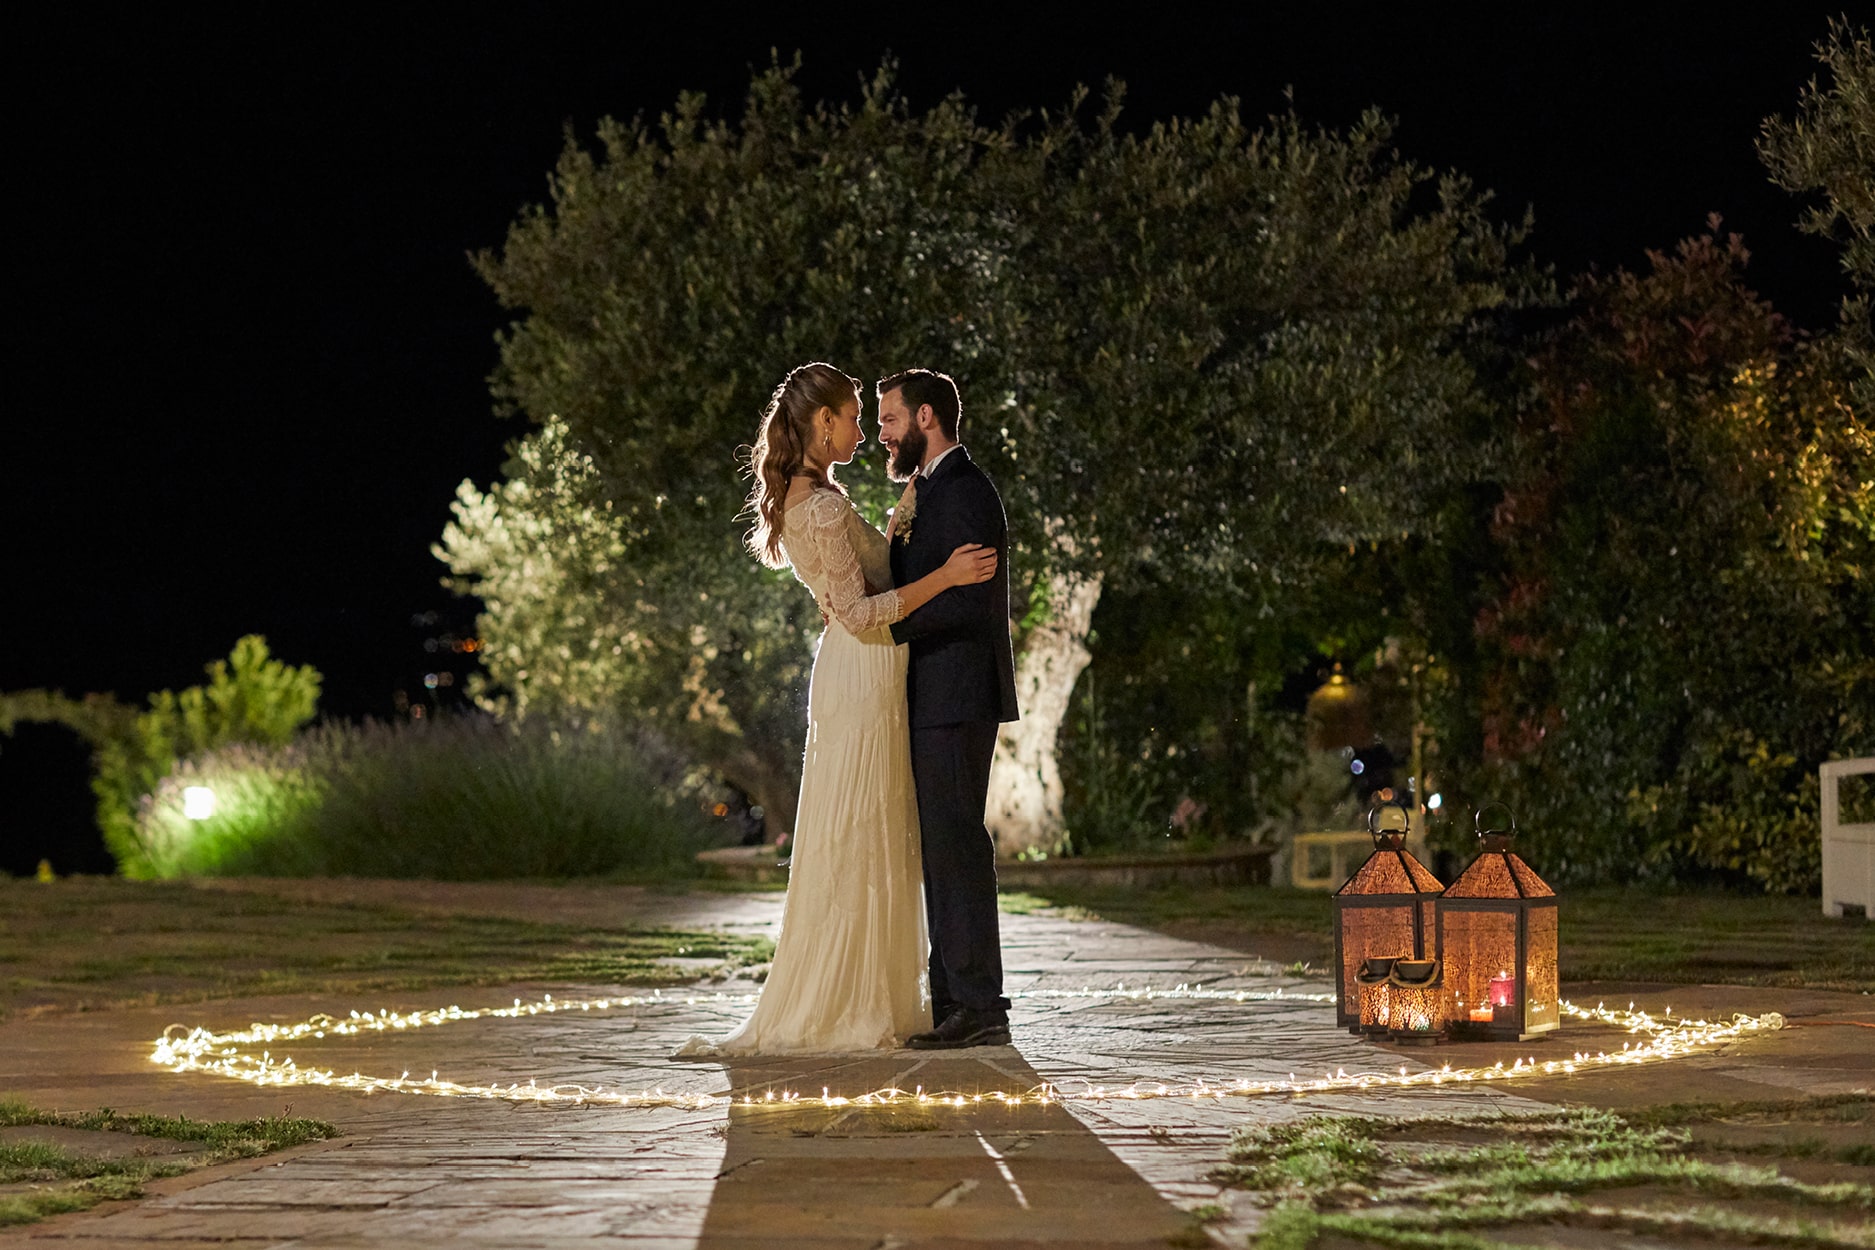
x: 846, y: 585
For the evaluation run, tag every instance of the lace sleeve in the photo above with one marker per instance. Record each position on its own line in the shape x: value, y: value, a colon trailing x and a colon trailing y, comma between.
x: 847, y: 600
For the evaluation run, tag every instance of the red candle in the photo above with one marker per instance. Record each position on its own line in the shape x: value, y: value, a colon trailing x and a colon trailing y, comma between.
x: 1502, y: 986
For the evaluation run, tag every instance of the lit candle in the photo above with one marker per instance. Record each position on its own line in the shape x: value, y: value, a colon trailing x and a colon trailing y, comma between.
x: 1502, y: 988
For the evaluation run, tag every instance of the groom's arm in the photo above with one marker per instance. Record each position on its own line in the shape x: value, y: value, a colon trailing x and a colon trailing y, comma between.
x: 972, y: 515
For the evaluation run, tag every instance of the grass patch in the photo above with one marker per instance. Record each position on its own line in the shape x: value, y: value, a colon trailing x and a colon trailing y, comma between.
x: 1319, y: 1153
x: 1022, y: 903
x: 225, y: 1139
x: 1821, y: 1109
x: 1450, y: 1230
x: 65, y: 1180
x: 42, y: 1161
x: 1435, y: 1183
x: 1607, y: 934
x: 35, y: 1205
x: 907, y: 1122
x: 94, y: 942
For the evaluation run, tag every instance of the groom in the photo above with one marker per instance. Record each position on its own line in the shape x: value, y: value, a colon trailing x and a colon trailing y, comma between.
x: 961, y: 685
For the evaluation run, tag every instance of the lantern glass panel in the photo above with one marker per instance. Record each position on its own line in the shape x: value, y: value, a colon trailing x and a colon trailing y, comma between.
x: 1415, y: 1001
x: 1497, y: 911
x: 1478, y: 945
x: 1415, y: 1011
x: 1387, y: 910
x: 1541, y: 992
x: 1374, y: 933
x: 1374, y: 1013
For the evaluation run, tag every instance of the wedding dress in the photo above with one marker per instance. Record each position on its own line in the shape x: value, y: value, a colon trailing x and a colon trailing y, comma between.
x: 849, y: 968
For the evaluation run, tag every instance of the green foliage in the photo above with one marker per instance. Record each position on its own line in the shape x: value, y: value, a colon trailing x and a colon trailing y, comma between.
x: 1206, y: 698
x: 250, y: 698
x: 1679, y: 632
x: 1204, y: 351
x: 1827, y: 151
x: 455, y: 799
x: 96, y: 718
x: 1768, y: 828
x: 1114, y: 803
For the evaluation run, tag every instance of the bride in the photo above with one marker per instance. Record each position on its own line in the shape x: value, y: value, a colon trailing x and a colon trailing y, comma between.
x: 849, y: 967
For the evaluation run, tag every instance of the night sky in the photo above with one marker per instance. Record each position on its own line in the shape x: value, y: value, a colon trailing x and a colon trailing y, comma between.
x: 249, y: 355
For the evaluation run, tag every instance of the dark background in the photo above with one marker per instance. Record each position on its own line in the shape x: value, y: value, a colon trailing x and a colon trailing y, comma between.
x: 249, y: 354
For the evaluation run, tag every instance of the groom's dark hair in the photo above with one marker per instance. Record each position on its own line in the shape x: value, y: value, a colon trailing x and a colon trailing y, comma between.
x: 927, y: 386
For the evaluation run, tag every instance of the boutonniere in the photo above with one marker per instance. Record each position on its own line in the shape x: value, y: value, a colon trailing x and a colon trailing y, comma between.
x: 904, y: 514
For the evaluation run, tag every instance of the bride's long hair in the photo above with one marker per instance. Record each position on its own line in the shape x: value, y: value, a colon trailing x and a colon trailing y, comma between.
x: 781, y: 449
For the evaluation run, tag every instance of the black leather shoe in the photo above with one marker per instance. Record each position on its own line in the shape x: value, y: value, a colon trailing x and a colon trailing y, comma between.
x: 964, y: 1027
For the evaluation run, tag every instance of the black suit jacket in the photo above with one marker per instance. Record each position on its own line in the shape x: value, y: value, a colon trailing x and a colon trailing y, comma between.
x: 962, y: 666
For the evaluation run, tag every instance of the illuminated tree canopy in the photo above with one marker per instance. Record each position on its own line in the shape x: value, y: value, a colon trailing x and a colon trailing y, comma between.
x: 1212, y: 351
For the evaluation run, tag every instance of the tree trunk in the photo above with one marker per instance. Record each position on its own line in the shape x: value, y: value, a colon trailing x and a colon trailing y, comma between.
x: 1025, y: 783
x: 770, y: 784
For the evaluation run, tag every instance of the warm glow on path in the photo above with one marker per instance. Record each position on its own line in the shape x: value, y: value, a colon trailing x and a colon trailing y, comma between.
x: 247, y: 1055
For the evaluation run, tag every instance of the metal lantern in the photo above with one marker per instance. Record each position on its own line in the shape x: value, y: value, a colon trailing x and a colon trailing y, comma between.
x: 1386, y: 910
x: 1371, y: 989
x: 1337, y: 716
x: 1497, y: 936
x: 1415, y: 1001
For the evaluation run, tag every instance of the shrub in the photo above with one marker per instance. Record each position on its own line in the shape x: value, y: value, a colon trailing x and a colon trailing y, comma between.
x: 454, y: 799
x: 1114, y: 800
x: 250, y: 698
x: 1680, y: 634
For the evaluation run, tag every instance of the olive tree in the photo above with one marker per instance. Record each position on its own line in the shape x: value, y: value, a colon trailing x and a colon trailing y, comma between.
x: 1212, y: 350
x: 1827, y: 151
x: 1243, y: 355
x: 679, y: 272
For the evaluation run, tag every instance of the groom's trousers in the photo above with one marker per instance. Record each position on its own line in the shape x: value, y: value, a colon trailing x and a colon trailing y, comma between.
x: 951, y: 765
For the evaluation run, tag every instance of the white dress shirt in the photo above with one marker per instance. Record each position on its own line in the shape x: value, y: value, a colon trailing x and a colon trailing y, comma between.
x: 932, y: 464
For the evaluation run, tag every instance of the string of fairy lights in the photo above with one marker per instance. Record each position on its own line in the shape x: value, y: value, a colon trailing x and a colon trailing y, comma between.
x: 248, y: 1055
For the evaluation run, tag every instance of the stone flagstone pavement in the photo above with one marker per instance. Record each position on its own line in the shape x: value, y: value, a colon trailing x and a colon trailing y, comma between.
x: 421, y: 1171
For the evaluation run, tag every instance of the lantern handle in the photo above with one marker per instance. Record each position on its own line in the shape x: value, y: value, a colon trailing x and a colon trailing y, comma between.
x: 1377, y: 833
x: 1478, y: 826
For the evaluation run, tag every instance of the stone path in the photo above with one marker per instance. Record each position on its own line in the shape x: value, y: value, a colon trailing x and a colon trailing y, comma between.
x: 424, y: 1171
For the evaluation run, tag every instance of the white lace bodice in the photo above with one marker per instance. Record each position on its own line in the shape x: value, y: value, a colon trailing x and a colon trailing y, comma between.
x: 835, y: 552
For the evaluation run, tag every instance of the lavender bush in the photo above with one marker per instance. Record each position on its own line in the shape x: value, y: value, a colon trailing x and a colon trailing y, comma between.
x: 455, y: 799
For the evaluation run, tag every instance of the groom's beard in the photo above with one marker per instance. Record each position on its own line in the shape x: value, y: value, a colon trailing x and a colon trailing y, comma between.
x: 907, y: 456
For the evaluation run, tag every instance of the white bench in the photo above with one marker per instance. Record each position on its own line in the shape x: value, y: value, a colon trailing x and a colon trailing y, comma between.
x: 1325, y: 859
x: 1848, y: 850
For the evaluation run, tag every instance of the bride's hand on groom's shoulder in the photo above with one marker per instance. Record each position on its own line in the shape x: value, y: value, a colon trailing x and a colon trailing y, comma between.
x: 970, y: 564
